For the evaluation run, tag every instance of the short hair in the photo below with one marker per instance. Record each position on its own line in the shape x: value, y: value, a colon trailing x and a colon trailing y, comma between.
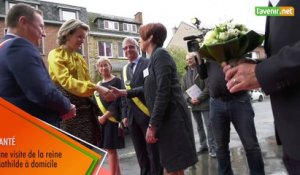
x: 101, y: 60
x: 17, y: 11
x: 69, y: 27
x: 157, y: 30
x: 130, y: 40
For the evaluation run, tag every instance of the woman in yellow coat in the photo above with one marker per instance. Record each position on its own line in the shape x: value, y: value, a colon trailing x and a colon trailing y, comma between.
x: 69, y: 71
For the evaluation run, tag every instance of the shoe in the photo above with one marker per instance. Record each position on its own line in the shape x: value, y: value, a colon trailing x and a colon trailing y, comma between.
x: 202, y: 150
x: 213, y: 154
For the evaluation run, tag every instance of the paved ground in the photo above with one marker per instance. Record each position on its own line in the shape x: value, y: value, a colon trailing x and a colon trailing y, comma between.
x: 208, y: 166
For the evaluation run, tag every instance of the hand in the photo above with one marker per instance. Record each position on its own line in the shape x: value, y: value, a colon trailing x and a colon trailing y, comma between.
x: 195, y: 101
x: 118, y: 92
x: 240, y: 77
x: 70, y: 114
x: 105, y: 93
x: 125, y: 122
x: 102, y: 120
x: 150, y: 135
x: 109, y: 96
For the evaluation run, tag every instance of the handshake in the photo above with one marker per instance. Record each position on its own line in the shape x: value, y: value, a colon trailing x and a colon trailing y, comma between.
x: 105, y: 93
x: 112, y: 93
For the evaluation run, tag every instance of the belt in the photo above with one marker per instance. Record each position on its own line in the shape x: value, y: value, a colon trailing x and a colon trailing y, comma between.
x: 230, y: 97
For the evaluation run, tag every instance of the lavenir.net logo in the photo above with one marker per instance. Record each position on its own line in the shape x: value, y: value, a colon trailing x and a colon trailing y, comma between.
x: 275, y: 11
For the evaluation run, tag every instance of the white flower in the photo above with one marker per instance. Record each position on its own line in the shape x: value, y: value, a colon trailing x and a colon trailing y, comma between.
x: 224, y: 32
x: 223, y: 36
x: 210, y: 37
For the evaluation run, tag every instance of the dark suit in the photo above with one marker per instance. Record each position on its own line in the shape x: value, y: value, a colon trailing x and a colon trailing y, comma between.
x: 169, y: 113
x: 279, y: 76
x: 147, y: 154
x: 25, y: 82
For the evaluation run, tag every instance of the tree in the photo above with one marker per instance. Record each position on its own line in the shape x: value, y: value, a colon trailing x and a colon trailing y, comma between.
x: 179, y: 57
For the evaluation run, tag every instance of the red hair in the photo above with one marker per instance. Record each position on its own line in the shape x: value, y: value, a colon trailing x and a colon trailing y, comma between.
x: 157, y: 30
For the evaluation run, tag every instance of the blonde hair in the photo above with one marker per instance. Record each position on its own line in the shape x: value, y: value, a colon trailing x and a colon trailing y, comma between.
x: 69, y: 27
x: 101, y: 60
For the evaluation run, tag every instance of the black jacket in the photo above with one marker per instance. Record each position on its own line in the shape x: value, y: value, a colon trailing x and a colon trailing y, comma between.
x: 279, y: 76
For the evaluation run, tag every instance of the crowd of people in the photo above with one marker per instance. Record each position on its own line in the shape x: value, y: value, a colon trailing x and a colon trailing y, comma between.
x: 149, y: 98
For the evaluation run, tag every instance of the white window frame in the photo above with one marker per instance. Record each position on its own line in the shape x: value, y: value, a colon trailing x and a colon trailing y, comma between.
x: 130, y: 28
x: 82, y: 50
x: 42, y: 46
x: 105, y: 43
x: 112, y: 25
x: 61, y: 14
x: 120, y: 48
x: 10, y: 4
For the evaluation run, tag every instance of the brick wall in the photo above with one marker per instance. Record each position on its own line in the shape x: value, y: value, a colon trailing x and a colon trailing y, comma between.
x: 92, y: 44
x: 50, y: 40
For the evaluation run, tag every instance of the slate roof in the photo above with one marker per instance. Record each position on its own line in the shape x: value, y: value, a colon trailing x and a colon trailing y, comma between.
x: 50, y: 10
x: 99, y: 30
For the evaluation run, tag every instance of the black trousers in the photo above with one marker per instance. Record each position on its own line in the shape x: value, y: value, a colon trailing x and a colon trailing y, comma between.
x: 147, y: 154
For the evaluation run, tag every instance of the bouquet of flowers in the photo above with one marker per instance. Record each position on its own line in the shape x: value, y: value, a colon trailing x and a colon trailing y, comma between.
x: 229, y: 41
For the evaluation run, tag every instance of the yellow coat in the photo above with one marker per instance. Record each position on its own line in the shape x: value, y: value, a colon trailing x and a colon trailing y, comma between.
x: 70, y: 71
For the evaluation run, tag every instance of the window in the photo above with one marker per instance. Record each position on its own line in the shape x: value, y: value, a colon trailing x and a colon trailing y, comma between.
x: 67, y: 15
x: 41, y: 47
x: 81, y: 49
x: 120, y: 50
x: 129, y: 28
x: 105, y: 48
x: 9, y: 5
x: 68, y: 12
x: 111, y: 25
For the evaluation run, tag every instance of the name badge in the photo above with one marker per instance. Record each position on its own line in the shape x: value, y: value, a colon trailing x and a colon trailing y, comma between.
x: 146, y: 72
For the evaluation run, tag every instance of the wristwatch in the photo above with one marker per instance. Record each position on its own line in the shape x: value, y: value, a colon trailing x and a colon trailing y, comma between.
x: 150, y: 126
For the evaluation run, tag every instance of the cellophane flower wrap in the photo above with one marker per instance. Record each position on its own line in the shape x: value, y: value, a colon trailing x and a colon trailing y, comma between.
x: 229, y: 41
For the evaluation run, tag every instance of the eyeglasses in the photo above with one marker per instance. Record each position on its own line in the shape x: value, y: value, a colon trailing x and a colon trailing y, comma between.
x: 129, y: 47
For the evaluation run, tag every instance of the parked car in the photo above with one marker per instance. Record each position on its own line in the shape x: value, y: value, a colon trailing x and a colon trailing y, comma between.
x: 257, y: 95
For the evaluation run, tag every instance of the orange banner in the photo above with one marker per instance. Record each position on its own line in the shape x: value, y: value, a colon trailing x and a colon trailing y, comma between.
x: 31, y: 146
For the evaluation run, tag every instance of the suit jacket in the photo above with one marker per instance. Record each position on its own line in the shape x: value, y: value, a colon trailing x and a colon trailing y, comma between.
x: 188, y: 81
x: 25, y: 82
x: 129, y: 108
x: 279, y: 76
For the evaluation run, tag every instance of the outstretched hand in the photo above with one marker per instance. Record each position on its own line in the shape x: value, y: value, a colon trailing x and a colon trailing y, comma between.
x: 118, y: 92
x: 109, y: 96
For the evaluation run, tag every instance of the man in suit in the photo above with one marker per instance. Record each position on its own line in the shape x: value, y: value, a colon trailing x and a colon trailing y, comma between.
x: 278, y: 75
x: 135, y: 113
x: 24, y: 79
